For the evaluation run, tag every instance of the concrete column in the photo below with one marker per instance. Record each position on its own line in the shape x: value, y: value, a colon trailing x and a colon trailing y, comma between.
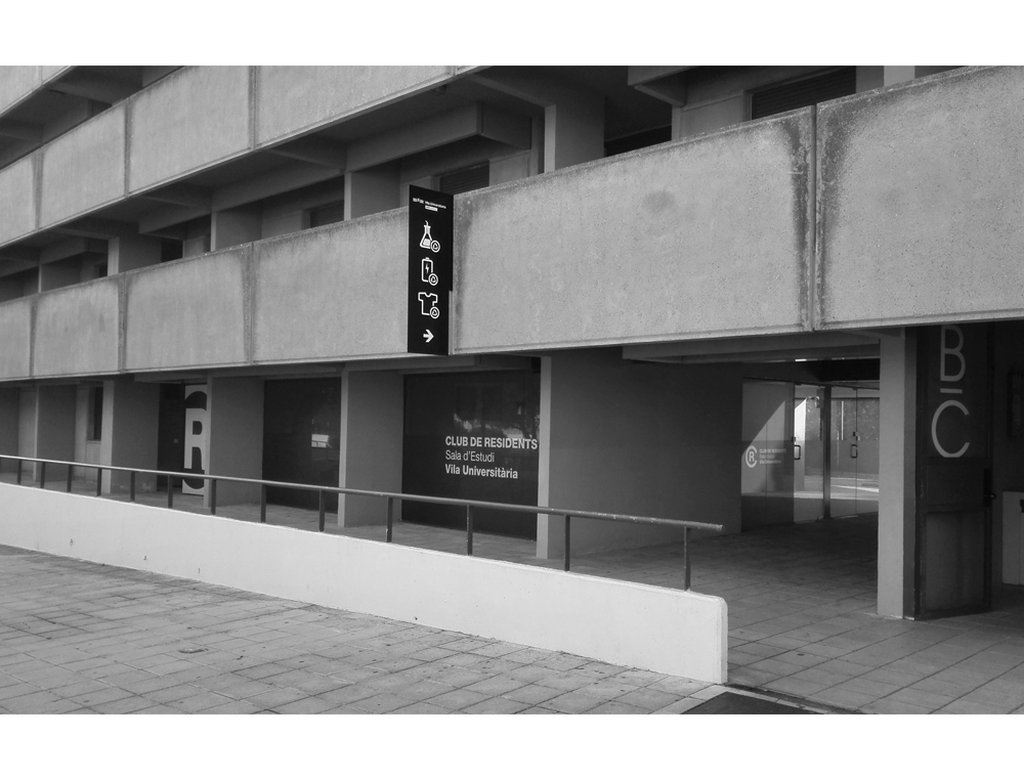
x: 372, y: 427
x: 55, y: 426
x: 573, y: 131
x: 10, y: 290
x: 131, y: 414
x: 372, y: 191
x: 235, y: 226
x: 10, y: 402
x: 278, y: 222
x: 709, y: 117
x: 236, y: 436
x: 894, y: 74
x: 897, y: 474
x: 550, y: 529
x: 127, y: 252
x: 58, y: 274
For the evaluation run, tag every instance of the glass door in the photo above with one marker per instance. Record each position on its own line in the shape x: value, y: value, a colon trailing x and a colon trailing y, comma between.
x: 853, y: 451
x: 808, y: 454
x: 767, y: 462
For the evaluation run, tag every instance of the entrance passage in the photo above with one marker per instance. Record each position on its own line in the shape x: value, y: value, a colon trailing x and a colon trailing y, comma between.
x: 810, y: 452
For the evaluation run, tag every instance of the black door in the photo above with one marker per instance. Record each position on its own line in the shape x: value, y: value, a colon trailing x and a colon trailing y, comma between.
x: 954, y: 521
x: 170, y: 448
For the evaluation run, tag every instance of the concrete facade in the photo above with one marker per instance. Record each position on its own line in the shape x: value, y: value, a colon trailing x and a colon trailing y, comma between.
x: 630, y: 235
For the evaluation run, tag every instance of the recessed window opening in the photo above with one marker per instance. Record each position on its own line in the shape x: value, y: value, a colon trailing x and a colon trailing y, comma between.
x: 473, y: 177
x: 628, y: 143
x: 795, y: 94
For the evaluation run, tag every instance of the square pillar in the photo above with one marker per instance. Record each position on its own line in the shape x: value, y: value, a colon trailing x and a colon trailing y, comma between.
x: 131, y: 414
x: 372, y: 427
x: 372, y: 191
x: 236, y: 436
x: 897, y: 468
x: 690, y: 121
x: 58, y: 274
x: 127, y: 252
x: 894, y: 74
x: 573, y: 131
x: 235, y: 226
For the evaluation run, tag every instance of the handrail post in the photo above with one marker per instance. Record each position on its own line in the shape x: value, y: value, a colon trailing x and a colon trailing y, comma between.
x: 170, y: 492
x: 391, y: 518
x: 469, y: 530
x: 686, y: 558
x: 99, y: 480
x: 213, y: 496
x: 18, y: 471
x: 67, y: 481
x: 322, y: 509
x: 42, y: 474
x: 566, y: 551
x: 131, y: 486
x: 263, y: 503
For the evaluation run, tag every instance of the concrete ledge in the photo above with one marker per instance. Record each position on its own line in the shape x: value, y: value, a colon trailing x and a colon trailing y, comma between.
x: 664, y: 630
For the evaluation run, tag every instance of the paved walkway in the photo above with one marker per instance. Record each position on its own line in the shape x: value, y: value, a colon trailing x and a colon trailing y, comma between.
x: 802, y: 619
x: 80, y: 637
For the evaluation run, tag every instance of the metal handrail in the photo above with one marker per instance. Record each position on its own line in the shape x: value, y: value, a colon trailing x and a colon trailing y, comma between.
x: 470, y: 504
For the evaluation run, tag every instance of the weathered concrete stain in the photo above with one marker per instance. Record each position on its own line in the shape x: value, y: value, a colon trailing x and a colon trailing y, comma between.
x: 920, y: 197
x: 698, y: 238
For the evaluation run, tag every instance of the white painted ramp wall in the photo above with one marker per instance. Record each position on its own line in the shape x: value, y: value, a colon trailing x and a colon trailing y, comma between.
x: 660, y: 629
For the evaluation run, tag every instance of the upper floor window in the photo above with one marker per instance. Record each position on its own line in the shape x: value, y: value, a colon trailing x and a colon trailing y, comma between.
x: 473, y: 177
x: 789, y: 95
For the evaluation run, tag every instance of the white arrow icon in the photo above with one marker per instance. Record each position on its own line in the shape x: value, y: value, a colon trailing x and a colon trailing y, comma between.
x: 428, y: 336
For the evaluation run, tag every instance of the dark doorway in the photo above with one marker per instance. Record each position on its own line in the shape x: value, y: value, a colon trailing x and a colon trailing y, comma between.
x: 170, y: 448
x: 301, y: 432
x: 954, y: 516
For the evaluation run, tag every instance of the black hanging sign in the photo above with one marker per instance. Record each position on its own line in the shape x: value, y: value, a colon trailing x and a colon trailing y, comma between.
x: 430, y: 270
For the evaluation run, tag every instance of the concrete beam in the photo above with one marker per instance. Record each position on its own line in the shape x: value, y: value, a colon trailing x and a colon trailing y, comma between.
x: 70, y: 248
x: 732, y: 350
x: 10, y: 266
x: 94, y: 227
x: 284, y: 179
x: 531, y: 88
x: 157, y: 221
x: 105, y: 89
x: 667, y: 83
x: 188, y: 195
x: 22, y: 254
x: 23, y: 131
x: 438, y: 130
x: 314, y: 149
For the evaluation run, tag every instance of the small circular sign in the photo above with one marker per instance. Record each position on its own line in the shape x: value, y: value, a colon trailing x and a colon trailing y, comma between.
x: 750, y: 456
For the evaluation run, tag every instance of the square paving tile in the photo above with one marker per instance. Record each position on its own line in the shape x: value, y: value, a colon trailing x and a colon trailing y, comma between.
x: 533, y: 694
x: 574, y: 702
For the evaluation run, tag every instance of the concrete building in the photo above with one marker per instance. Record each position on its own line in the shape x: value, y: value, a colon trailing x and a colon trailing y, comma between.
x: 741, y: 295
